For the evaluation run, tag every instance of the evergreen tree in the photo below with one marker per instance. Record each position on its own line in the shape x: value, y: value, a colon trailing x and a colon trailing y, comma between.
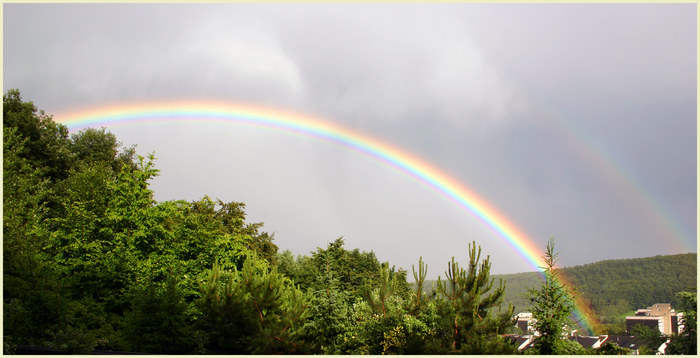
x: 381, y: 323
x: 329, y: 312
x: 419, y: 298
x: 378, y: 297
x: 467, y: 300
x: 552, y: 306
x: 254, y: 310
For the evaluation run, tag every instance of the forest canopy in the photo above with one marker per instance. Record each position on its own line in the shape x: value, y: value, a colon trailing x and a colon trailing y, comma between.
x: 92, y: 261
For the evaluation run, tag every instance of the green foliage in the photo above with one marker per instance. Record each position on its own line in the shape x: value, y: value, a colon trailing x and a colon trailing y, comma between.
x: 382, y: 324
x: 328, y: 313
x: 395, y: 332
x: 92, y: 261
x: 466, y: 304
x: 354, y: 269
x: 301, y: 269
x: 83, y: 326
x: 563, y: 347
x: 609, y: 348
x: 552, y: 306
x: 157, y: 321
x: 378, y: 297
x: 340, y: 281
x: 207, y: 231
x: 97, y: 146
x: 46, y: 141
x: 85, y: 246
x: 419, y: 298
x: 650, y: 338
x: 687, y: 341
x: 102, y: 235
x: 28, y: 280
x: 615, y: 288
x: 517, y: 288
x: 254, y: 310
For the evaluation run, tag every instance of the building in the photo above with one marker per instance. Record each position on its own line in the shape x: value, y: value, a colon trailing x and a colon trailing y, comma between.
x: 524, y: 321
x: 525, y: 342
x: 659, y: 316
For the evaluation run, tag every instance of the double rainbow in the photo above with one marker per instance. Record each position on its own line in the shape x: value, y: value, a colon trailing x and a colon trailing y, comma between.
x: 425, y: 173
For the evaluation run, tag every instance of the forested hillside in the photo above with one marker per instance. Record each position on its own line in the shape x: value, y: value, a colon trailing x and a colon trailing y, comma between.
x: 615, y: 288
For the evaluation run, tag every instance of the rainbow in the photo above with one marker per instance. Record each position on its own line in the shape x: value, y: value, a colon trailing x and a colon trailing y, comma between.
x: 425, y: 173
x: 621, y: 180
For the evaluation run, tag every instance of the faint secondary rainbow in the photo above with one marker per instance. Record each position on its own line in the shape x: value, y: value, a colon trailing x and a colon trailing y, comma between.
x: 621, y: 180
x: 227, y: 113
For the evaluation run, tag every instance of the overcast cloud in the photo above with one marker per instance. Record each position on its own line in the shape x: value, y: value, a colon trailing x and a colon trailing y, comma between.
x: 520, y: 102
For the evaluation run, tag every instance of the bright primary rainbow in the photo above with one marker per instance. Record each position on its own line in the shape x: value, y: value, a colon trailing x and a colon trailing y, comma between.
x: 211, y: 112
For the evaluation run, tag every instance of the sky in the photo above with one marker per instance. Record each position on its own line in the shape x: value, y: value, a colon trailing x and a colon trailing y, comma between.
x: 577, y: 121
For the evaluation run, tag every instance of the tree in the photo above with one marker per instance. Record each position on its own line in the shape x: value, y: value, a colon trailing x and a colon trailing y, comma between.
x: 106, y: 229
x: 47, y: 145
x: 254, y: 310
x: 378, y: 297
x: 611, y: 348
x: 86, y: 248
x: 157, y: 322
x: 466, y: 300
x: 299, y: 269
x: 686, y: 342
x: 650, y: 339
x: 216, y: 230
x: 96, y: 146
x: 381, y: 323
x: 418, y: 298
x: 32, y: 291
x: 552, y: 305
x: 328, y: 313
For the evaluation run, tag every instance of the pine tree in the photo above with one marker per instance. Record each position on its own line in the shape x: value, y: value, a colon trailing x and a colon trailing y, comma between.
x: 418, y: 298
x: 468, y: 299
x: 377, y: 299
x: 254, y: 310
x: 552, y: 305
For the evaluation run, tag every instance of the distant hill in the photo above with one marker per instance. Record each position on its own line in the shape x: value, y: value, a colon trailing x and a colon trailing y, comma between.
x: 615, y: 287
x: 639, y: 282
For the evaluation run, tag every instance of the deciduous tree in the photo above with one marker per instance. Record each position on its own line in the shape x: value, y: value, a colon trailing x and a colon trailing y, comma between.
x: 687, y: 341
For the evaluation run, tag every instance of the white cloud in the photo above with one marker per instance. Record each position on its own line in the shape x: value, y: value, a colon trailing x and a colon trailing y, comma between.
x: 387, y: 64
x: 240, y: 51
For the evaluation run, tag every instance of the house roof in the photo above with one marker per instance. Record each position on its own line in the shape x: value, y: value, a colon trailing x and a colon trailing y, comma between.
x: 587, y: 341
x: 624, y: 341
x: 522, y: 341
